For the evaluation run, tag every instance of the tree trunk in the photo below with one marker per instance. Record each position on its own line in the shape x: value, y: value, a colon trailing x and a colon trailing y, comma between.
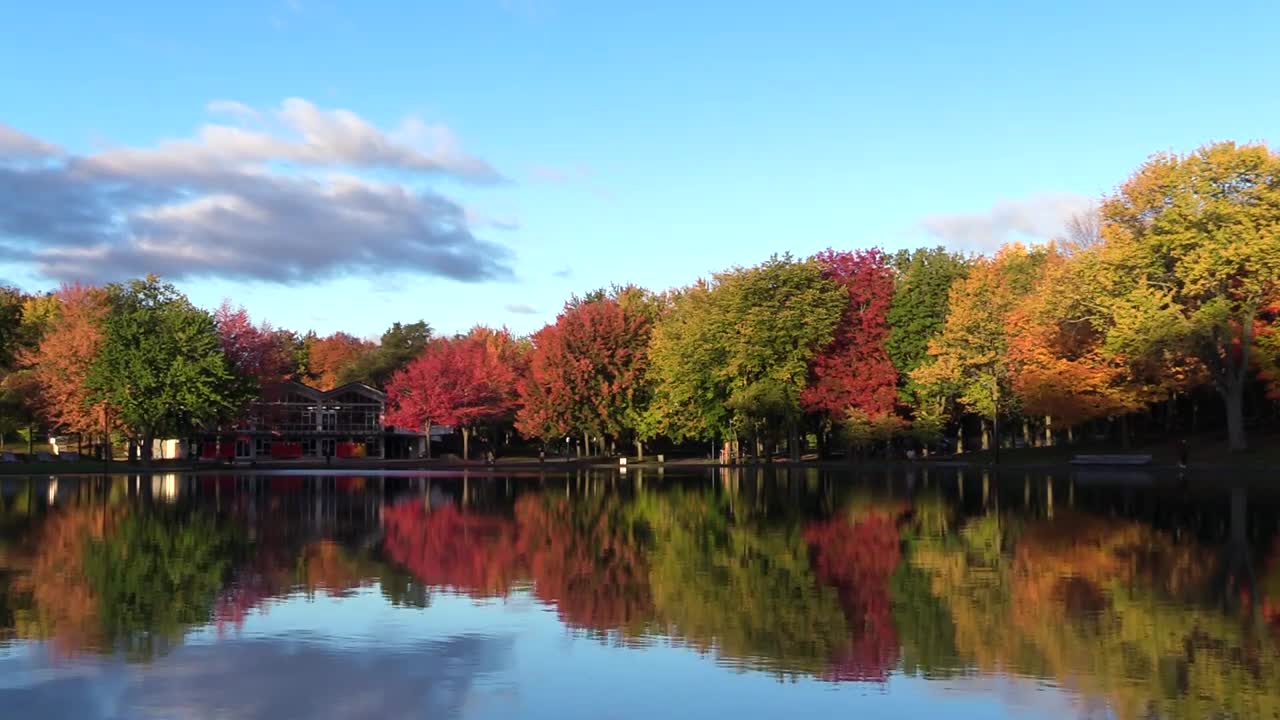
x: 148, y: 441
x: 31, y: 440
x: 466, y: 443
x: 1048, y: 431
x: 1231, y: 387
x: 1233, y: 397
x: 793, y: 442
x: 428, y: 430
x: 1071, y: 436
x: 586, y: 444
x: 1026, y: 432
x: 986, y: 436
x: 960, y: 439
x: 639, y: 450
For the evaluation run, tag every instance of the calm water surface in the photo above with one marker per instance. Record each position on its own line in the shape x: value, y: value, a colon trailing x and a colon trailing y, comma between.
x: 727, y: 593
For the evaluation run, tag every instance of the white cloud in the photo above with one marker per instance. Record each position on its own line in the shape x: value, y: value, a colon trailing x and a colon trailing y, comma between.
x: 302, y: 134
x: 521, y: 309
x: 1035, y: 217
x: 233, y: 108
x: 248, y: 203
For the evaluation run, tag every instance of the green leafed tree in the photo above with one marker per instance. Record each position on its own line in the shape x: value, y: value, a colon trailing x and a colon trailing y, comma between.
x: 161, y: 366
x: 919, y: 308
x: 732, y: 356
x: 400, y: 344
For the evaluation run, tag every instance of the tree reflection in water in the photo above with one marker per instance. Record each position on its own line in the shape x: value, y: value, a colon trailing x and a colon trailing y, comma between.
x: 1158, y: 604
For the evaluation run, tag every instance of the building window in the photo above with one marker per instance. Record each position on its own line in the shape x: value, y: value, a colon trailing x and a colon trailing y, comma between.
x: 329, y: 421
x: 309, y: 447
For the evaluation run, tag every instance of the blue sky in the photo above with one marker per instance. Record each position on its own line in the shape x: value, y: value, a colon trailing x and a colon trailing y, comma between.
x: 649, y: 143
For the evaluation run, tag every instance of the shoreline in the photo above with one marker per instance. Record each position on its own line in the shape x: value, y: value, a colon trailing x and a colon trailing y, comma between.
x: 523, y: 464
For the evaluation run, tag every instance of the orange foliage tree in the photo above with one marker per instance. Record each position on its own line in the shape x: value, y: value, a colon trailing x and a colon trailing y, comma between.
x: 329, y: 356
x: 1058, y: 365
x: 60, y: 363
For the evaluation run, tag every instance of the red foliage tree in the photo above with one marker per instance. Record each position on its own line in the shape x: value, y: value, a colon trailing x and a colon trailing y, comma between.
x: 858, y: 559
x: 462, y: 382
x: 854, y: 372
x: 587, y: 371
x: 256, y: 352
x: 329, y: 356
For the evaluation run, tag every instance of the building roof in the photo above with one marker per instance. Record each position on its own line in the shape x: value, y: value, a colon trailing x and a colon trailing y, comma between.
x: 357, y: 387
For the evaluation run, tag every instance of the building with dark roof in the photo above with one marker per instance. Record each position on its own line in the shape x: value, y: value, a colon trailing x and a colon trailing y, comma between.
x: 291, y: 420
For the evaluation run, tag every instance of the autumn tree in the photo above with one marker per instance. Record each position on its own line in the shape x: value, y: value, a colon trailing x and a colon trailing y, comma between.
x: 969, y: 357
x: 853, y: 374
x: 588, y: 370
x: 462, y: 382
x: 259, y: 355
x: 61, y: 361
x: 1192, y: 245
x: 331, y: 358
x: 160, y: 364
x: 1059, y: 367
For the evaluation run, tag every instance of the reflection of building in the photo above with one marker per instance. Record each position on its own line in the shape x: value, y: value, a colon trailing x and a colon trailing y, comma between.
x: 292, y: 420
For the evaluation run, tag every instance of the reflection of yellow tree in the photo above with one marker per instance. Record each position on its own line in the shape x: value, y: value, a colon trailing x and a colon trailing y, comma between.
x: 741, y: 589
x: 326, y: 565
x: 1106, y: 607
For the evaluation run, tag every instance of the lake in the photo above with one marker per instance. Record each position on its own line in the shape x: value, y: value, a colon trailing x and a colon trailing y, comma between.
x: 738, y: 593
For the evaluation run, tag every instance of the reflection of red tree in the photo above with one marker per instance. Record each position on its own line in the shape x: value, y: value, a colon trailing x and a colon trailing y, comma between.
x: 857, y: 559
x: 585, y: 562
x: 472, y: 553
x: 580, y: 560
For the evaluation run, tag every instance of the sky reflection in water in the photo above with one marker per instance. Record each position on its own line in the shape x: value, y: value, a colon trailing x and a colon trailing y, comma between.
x: 597, y: 597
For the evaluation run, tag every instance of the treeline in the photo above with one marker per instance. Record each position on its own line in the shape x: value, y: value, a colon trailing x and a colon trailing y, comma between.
x: 137, y: 361
x: 1157, y: 311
